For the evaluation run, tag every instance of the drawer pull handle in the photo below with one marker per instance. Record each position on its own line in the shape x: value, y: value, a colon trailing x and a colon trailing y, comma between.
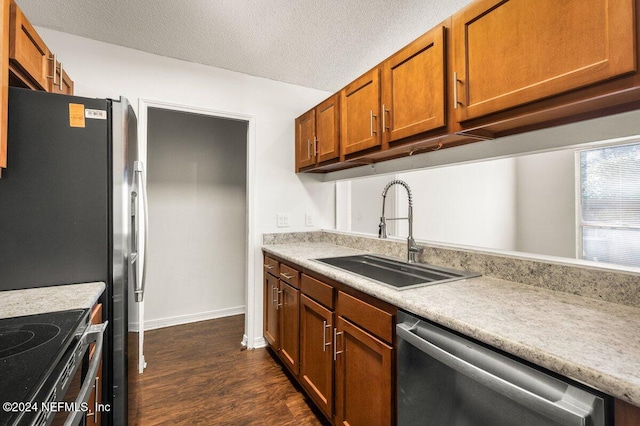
x: 285, y: 276
x: 95, y: 405
x: 268, y: 266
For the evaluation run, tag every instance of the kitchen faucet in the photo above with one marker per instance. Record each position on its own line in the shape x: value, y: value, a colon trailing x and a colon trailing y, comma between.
x: 412, y: 248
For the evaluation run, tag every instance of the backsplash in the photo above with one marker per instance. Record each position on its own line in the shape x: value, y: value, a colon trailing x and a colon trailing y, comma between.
x: 588, y: 281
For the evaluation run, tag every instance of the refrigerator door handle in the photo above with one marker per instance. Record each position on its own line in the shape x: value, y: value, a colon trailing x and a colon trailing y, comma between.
x: 138, y: 169
x: 134, y: 230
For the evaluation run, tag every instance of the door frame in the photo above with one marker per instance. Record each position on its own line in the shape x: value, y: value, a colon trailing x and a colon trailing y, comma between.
x: 249, y: 338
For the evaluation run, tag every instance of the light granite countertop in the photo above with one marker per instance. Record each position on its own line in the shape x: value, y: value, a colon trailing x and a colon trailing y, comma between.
x: 14, y: 303
x: 587, y: 340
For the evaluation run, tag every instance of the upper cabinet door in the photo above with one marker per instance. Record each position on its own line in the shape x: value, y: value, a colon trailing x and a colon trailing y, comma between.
x: 413, y: 81
x: 511, y: 52
x: 305, y: 140
x: 28, y: 52
x: 61, y: 83
x: 328, y: 129
x: 360, y: 113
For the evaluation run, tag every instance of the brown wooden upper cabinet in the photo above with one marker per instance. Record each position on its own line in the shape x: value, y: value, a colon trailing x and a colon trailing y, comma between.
x: 305, y: 139
x: 509, y: 53
x: 30, y: 58
x: 318, y: 134
x: 4, y: 79
x: 61, y: 83
x: 26, y: 62
x: 495, y: 68
x: 31, y: 63
x: 413, y: 88
x: 328, y: 129
x: 360, y: 113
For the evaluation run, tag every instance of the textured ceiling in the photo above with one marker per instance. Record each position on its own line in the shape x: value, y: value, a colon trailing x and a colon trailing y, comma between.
x: 322, y: 44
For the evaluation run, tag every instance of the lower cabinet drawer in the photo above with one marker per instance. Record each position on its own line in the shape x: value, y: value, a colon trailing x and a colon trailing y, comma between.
x: 366, y: 316
x: 271, y: 266
x: 290, y: 275
x: 317, y: 290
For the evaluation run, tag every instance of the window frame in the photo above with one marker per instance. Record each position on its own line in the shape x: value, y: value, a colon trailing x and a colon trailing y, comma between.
x: 580, y: 223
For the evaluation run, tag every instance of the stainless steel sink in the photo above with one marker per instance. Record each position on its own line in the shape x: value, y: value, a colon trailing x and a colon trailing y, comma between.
x: 396, y: 273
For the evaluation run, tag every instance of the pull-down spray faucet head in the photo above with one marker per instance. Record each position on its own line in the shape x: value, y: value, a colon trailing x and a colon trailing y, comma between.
x: 412, y: 248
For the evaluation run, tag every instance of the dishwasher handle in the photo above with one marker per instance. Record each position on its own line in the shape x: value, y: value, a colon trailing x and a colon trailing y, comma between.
x: 562, y: 411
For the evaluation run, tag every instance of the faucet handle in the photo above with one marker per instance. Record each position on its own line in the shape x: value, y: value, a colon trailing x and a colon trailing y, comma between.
x: 413, y: 250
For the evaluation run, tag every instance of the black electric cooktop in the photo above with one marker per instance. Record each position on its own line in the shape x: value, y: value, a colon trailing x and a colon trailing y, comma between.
x: 30, y: 348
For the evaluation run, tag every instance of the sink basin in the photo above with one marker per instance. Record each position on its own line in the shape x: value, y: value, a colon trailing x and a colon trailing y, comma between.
x: 396, y: 273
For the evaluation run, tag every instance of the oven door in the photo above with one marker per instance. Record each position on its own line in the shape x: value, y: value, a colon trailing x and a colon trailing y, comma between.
x: 68, y: 395
x: 445, y: 379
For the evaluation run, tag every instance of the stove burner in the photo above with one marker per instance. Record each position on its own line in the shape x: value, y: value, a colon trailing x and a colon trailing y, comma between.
x: 15, y: 340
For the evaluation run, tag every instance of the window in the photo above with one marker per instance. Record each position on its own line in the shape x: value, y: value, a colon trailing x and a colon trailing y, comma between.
x: 609, y: 208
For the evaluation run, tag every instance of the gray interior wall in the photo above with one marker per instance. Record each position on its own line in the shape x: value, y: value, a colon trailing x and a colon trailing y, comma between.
x: 197, y: 217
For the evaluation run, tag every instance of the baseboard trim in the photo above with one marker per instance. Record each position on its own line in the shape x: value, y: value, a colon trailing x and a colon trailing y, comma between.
x: 186, y: 319
x: 259, y: 342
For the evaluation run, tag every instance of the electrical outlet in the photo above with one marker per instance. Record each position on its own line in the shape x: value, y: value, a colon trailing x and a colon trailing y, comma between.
x: 308, y: 219
x: 283, y: 220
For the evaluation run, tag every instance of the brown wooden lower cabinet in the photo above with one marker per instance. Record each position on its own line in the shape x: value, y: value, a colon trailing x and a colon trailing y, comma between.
x: 316, y: 353
x: 338, y: 343
x: 289, y: 326
x: 345, y: 364
x: 281, y: 311
x: 363, y: 378
x: 271, y: 310
x: 626, y: 414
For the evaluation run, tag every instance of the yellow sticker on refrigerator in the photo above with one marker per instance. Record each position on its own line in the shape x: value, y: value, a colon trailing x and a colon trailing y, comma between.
x: 76, y: 115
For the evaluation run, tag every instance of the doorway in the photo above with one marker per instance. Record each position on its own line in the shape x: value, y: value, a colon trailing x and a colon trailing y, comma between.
x: 199, y: 251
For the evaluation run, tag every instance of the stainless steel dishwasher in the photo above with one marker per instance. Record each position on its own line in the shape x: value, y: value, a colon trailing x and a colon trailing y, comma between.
x: 447, y: 380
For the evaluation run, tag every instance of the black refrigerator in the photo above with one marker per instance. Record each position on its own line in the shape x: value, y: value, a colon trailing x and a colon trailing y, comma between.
x: 69, y: 212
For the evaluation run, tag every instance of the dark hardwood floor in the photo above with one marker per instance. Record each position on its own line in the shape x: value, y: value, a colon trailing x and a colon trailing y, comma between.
x: 197, y: 374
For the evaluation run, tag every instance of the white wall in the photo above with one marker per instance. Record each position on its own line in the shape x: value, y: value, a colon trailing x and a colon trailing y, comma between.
x: 196, y: 184
x: 525, y: 204
x: 470, y: 204
x: 104, y: 70
x: 546, y: 212
x: 366, y: 204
